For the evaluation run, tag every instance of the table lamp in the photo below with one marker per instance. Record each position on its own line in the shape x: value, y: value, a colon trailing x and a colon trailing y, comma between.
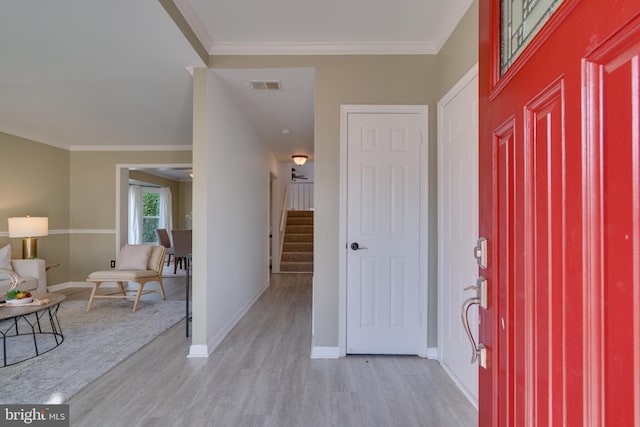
x: 28, y: 228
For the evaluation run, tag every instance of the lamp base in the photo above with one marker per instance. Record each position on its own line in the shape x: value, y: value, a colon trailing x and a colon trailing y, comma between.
x: 29, y: 248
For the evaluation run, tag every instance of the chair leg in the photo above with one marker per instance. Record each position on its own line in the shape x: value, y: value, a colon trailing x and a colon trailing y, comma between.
x: 164, y: 296
x: 121, y: 286
x: 138, y: 295
x: 168, y: 259
x: 96, y: 285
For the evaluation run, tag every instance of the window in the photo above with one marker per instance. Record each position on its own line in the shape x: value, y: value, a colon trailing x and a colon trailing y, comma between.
x: 150, y: 214
x: 521, y: 20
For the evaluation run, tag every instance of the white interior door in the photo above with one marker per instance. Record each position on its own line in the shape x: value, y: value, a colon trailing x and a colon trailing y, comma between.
x: 458, y: 227
x: 385, y: 293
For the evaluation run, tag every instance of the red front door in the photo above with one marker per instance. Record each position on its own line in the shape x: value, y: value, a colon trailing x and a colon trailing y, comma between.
x: 560, y: 208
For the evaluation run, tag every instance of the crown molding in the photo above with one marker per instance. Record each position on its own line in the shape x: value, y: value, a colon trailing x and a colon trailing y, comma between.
x: 131, y: 148
x: 31, y: 136
x: 366, y: 48
x: 194, y: 22
x: 449, y: 23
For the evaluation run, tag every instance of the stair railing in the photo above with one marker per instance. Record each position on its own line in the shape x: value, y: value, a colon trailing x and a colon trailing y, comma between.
x: 285, y: 204
x: 301, y: 196
x: 298, y: 196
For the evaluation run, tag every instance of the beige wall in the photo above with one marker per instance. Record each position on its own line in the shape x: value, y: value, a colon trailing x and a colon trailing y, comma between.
x: 35, y: 181
x: 76, y: 190
x: 93, y: 203
x: 460, y: 52
x: 185, y: 206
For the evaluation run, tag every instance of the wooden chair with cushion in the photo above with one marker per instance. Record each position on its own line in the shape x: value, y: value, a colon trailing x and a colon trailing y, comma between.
x: 181, y: 246
x: 139, y: 264
x: 163, y: 239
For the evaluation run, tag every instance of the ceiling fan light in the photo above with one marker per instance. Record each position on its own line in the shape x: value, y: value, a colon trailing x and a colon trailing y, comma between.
x: 299, y: 159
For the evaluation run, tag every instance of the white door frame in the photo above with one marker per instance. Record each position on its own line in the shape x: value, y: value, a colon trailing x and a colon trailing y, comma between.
x: 345, y: 110
x: 122, y: 200
x: 448, y: 97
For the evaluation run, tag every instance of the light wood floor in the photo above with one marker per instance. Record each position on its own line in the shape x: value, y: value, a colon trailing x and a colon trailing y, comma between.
x: 261, y: 375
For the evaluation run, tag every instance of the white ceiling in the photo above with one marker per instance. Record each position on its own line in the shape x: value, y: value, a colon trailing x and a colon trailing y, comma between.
x: 88, y: 74
x: 325, y: 26
x: 284, y: 117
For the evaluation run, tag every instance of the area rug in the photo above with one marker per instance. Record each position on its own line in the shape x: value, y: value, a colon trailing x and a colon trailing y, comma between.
x: 168, y: 272
x: 94, y: 342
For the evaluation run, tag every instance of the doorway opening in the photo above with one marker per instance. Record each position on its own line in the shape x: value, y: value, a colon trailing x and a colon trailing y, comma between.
x: 176, y: 176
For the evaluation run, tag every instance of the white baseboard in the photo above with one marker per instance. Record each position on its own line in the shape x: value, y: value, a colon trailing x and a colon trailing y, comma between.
x: 325, y: 352
x: 214, y: 341
x: 462, y: 388
x: 198, y: 351
x: 318, y: 352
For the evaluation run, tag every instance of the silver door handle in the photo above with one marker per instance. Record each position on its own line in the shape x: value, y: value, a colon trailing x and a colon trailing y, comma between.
x: 465, y: 322
x: 479, y: 350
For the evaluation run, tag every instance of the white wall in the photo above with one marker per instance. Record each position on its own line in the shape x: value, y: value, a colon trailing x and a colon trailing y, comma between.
x: 231, y: 211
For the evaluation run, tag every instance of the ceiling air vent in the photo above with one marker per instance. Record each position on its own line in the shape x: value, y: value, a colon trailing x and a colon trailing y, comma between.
x: 265, y: 84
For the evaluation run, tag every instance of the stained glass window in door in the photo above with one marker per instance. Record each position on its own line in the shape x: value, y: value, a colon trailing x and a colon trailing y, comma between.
x: 520, y: 22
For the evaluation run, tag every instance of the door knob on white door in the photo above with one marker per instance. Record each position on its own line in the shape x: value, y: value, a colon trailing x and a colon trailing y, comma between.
x: 356, y: 247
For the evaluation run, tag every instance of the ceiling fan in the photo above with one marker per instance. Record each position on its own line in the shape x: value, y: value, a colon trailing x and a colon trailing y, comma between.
x: 294, y: 176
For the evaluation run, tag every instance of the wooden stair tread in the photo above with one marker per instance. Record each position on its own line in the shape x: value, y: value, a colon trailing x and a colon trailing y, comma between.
x: 297, y: 246
x: 299, y: 267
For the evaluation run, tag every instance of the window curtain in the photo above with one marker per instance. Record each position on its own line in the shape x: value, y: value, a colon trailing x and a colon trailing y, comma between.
x: 166, y: 219
x: 135, y: 215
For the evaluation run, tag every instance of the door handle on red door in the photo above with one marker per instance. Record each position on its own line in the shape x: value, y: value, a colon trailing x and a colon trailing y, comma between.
x: 356, y: 247
x: 478, y: 351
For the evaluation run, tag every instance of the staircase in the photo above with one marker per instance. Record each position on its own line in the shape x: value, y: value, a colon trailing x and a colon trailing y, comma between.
x: 297, y: 246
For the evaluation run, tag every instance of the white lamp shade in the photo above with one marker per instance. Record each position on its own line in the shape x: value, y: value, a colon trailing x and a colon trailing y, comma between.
x: 28, y: 226
x: 299, y: 159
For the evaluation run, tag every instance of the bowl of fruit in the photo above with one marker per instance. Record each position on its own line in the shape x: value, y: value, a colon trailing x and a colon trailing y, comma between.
x: 16, y: 297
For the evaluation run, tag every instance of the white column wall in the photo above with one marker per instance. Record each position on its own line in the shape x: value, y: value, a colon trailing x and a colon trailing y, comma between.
x: 230, y: 216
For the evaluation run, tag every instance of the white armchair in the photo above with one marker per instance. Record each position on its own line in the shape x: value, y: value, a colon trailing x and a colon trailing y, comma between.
x: 32, y: 273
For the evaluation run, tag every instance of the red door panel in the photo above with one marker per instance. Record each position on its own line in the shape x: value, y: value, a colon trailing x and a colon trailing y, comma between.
x: 545, y: 279
x: 560, y: 206
x: 613, y: 141
x: 504, y: 149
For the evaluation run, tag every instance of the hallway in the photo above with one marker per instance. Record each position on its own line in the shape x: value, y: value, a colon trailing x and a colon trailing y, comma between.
x: 261, y: 375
